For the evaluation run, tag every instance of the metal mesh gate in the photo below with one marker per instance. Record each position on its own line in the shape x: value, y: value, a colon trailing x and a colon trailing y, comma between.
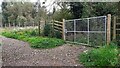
x: 87, y: 31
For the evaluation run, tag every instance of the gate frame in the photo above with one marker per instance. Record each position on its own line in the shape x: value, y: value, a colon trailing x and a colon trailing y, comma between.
x: 107, y: 28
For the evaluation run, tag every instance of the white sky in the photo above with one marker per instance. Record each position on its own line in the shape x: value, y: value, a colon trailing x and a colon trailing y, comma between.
x: 48, y: 2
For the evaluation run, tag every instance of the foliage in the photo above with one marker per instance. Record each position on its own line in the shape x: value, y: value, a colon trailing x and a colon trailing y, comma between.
x: 47, y: 30
x: 57, y: 34
x: 62, y: 14
x: 50, y: 32
x: 32, y: 37
x: 20, y: 12
x: 103, y: 56
x: 87, y: 9
x: 118, y: 58
x: 21, y: 19
x: 76, y: 8
x: 99, y: 9
x: 16, y: 34
x: 0, y: 43
x: 40, y: 42
x: 118, y: 8
x: 13, y: 10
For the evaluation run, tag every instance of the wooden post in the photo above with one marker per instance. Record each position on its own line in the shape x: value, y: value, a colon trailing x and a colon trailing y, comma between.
x: 63, y: 30
x: 5, y: 26
x: 39, y: 27
x: 9, y: 25
x: 19, y: 24
x: 114, y: 28
x: 14, y: 25
x: 24, y: 24
x: 108, y: 29
x: 33, y: 24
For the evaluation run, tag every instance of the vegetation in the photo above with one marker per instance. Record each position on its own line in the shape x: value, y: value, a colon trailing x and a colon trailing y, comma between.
x: 15, y: 12
x: 84, y: 9
x: 26, y: 12
x: 118, y: 57
x: 32, y: 37
x: 103, y: 56
x: 40, y: 42
x: 50, y: 32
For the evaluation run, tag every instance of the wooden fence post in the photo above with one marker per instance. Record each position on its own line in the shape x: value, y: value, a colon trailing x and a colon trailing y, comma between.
x: 5, y: 26
x: 33, y: 24
x: 63, y: 31
x: 108, y: 29
x: 114, y: 28
x: 19, y: 24
x: 14, y: 25
x: 9, y: 25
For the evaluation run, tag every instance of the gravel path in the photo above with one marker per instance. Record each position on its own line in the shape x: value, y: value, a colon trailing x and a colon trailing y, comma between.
x: 19, y: 53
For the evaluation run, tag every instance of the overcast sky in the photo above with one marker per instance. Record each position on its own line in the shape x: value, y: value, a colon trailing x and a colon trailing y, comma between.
x: 48, y: 2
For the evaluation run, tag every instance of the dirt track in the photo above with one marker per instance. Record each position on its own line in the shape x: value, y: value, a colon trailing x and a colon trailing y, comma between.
x: 19, y: 53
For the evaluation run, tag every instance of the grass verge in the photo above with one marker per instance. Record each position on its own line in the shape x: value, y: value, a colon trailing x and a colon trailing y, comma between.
x: 103, y: 56
x: 33, y: 39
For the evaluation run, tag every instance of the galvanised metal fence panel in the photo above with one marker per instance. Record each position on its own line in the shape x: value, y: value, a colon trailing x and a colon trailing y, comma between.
x: 89, y: 31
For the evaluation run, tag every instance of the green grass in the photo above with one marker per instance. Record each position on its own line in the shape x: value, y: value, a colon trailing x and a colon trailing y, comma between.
x: 34, y: 40
x: 103, y: 56
x: 40, y: 42
x: 119, y: 57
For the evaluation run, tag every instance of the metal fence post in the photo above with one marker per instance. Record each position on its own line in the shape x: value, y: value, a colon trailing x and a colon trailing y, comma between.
x: 74, y: 30
x: 88, y: 32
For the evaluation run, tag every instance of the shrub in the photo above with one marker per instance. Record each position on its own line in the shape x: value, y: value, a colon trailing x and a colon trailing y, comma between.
x: 103, y: 56
x: 57, y: 34
x: 35, y: 42
x: 50, y: 32
x: 40, y: 42
x: 118, y: 58
x: 10, y: 35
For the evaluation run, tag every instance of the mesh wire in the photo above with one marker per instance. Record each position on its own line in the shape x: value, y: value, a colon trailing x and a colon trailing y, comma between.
x: 96, y: 39
x: 81, y: 37
x: 70, y: 36
x: 97, y: 24
x: 69, y: 25
x: 91, y: 31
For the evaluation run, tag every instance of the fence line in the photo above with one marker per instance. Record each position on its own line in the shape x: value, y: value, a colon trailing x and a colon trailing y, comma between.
x: 116, y: 29
x: 86, y: 28
x: 59, y: 26
x: 32, y: 24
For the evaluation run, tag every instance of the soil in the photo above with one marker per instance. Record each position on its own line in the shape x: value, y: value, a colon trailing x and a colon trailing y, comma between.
x: 19, y: 53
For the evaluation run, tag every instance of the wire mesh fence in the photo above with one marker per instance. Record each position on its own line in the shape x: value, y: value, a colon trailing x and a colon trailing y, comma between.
x: 89, y: 31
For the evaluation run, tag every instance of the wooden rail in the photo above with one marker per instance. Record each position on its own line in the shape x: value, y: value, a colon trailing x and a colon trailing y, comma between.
x: 116, y: 30
x: 59, y: 26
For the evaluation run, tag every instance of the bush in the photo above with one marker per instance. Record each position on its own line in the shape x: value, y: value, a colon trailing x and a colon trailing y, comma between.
x: 35, y: 42
x: 103, y: 56
x: 40, y: 42
x: 57, y: 34
x: 50, y: 32
x: 10, y: 35
x: 118, y: 58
